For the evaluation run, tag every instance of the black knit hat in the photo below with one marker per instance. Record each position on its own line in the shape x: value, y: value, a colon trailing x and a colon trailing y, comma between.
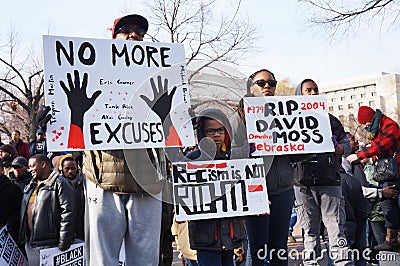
x: 10, y: 149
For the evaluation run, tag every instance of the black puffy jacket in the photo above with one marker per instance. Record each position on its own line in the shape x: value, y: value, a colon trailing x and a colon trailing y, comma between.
x: 52, y: 215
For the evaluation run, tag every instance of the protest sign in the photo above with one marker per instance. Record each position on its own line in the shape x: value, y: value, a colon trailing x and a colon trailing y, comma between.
x: 114, y: 94
x: 10, y: 254
x: 288, y: 124
x: 74, y: 256
x: 219, y: 188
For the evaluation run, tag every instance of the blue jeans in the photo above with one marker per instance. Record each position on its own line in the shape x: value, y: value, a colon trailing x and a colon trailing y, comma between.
x: 293, y: 220
x: 214, y: 258
x: 191, y: 262
x: 268, y: 234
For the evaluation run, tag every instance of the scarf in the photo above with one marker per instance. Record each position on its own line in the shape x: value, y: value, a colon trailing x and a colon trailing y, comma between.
x: 374, y: 127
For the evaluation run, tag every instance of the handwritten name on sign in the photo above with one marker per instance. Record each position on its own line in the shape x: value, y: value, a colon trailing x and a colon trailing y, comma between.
x: 114, y: 94
x: 74, y: 256
x: 215, y: 189
x: 10, y: 254
x: 288, y: 124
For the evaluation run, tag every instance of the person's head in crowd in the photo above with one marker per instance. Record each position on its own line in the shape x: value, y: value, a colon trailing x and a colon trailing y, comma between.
x: 365, y: 115
x: 19, y: 167
x: 212, y: 124
x: 7, y: 154
x: 307, y: 87
x: 15, y: 135
x: 353, y: 142
x: 261, y: 83
x: 40, y: 134
x: 131, y: 27
x: 39, y: 166
x: 69, y: 167
x: 56, y: 163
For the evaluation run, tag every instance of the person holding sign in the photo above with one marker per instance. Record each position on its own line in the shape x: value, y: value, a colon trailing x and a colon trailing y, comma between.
x: 214, y: 239
x: 10, y: 204
x: 121, y: 197
x: 384, y: 134
x: 322, y: 200
x: 47, y: 210
x: 266, y: 232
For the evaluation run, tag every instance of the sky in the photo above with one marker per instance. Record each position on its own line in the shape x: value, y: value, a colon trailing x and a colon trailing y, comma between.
x: 288, y: 46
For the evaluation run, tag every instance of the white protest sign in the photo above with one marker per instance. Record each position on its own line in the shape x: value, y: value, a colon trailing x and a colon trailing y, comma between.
x: 114, y: 94
x: 288, y: 124
x: 10, y: 254
x: 74, y: 256
x: 216, y: 189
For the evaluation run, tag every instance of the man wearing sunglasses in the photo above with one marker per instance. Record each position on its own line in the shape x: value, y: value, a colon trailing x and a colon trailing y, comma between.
x: 119, y: 208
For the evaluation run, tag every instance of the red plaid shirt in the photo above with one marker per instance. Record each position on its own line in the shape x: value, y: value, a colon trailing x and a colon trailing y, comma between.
x: 385, y: 142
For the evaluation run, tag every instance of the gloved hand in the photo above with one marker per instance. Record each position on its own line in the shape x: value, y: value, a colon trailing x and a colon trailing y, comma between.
x: 390, y: 192
x: 63, y: 246
x: 43, y: 116
x: 335, y: 143
x: 252, y: 148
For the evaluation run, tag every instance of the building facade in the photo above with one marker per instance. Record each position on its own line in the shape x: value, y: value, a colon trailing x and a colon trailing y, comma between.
x: 379, y: 91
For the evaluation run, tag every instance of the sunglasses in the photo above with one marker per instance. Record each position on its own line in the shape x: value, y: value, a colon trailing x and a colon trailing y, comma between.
x: 126, y: 29
x: 262, y: 82
x: 212, y: 131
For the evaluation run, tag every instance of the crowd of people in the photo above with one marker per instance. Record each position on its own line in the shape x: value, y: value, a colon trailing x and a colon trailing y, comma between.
x: 112, y: 199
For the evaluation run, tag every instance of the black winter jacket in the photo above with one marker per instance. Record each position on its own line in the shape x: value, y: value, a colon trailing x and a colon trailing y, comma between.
x: 52, y: 215
x: 10, y: 203
x: 278, y: 168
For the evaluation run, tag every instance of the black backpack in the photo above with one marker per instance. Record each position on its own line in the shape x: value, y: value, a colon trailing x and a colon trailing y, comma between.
x: 318, y: 169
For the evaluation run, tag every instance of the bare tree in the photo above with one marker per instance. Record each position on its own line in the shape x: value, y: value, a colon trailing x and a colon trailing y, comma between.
x: 206, y: 37
x: 344, y: 17
x: 21, y: 90
x: 285, y: 88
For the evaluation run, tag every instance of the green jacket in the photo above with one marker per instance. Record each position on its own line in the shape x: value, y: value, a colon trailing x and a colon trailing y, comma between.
x: 126, y: 171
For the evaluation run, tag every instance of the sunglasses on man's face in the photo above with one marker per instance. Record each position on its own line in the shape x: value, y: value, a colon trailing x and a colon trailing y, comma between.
x: 126, y: 29
x: 262, y: 82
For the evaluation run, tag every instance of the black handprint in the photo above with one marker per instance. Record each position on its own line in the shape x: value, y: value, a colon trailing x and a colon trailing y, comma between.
x: 78, y: 103
x: 161, y: 103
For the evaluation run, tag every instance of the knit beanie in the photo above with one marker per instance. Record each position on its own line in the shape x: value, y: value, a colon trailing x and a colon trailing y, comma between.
x: 365, y: 114
x: 10, y: 149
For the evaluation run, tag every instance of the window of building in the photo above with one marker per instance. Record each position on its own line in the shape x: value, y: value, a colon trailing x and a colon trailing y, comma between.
x: 360, y: 104
x: 352, y: 97
x: 362, y: 95
x: 340, y: 107
x: 330, y: 109
x: 333, y: 99
x: 350, y: 106
x: 371, y: 103
x: 342, y: 98
x: 373, y: 93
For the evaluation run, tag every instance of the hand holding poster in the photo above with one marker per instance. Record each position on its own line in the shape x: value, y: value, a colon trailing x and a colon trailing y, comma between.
x: 113, y: 94
x: 220, y: 188
x: 288, y: 124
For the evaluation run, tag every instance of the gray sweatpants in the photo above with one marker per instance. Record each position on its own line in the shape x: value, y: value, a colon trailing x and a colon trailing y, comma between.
x: 327, y: 203
x: 112, y: 218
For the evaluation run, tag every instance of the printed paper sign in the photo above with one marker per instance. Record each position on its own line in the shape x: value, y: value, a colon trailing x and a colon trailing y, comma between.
x: 288, y: 124
x: 114, y: 94
x: 54, y: 257
x: 10, y: 254
x: 216, y: 189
